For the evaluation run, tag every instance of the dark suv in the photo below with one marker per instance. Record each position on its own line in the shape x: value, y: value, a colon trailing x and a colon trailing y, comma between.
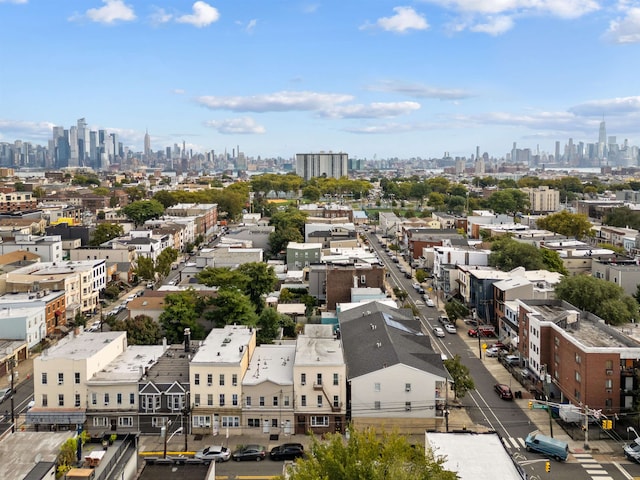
x: 503, y: 391
x: 287, y: 451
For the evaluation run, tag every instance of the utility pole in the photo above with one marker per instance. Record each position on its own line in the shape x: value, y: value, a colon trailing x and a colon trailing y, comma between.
x: 586, y: 427
x: 13, y: 376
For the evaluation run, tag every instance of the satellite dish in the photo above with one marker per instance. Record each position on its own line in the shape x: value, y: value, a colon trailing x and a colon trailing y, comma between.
x: 38, y: 458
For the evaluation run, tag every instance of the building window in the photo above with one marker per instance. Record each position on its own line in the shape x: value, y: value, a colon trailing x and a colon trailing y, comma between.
x: 234, y: 399
x: 261, y: 401
x: 196, y: 400
x: 407, y: 406
x: 608, y: 364
x: 335, y: 379
x: 376, y: 405
x: 209, y: 379
x: 608, y: 384
x: 608, y: 402
x: 196, y: 379
x: 407, y: 387
x: 77, y: 378
x: 210, y: 399
x: 286, y: 400
x: 247, y: 401
x: 578, y: 358
x: 319, y: 400
x: 319, y: 379
x: 578, y: 376
x: 158, y: 422
x: 275, y: 401
x: 303, y: 400
x: 119, y: 398
x: 336, y: 401
x: 45, y: 401
x: 221, y: 399
x: 100, y: 421
x: 222, y: 379
x: 60, y: 400
x: 234, y: 380
x: 77, y: 400
x: 132, y: 399
x: 94, y: 399
x: 319, y: 421
x: 230, y: 421
x: 303, y: 378
x: 201, y: 421
x: 376, y: 387
x: 253, y: 422
x: 274, y: 422
x: 61, y: 379
x: 125, y: 421
x: 106, y: 399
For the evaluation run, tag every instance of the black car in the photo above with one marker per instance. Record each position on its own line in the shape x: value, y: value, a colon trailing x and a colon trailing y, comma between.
x: 250, y: 452
x: 287, y: 451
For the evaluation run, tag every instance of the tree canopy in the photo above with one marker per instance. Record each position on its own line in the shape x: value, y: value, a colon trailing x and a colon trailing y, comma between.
x: 598, y: 296
x: 143, y: 210
x: 231, y: 306
x: 141, y: 330
x: 566, y: 223
x: 289, y: 227
x: 462, y: 381
x: 182, y: 310
x: 509, y: 201
x: 507, y: 254
x: 105, y: 232
x: 367, y: 455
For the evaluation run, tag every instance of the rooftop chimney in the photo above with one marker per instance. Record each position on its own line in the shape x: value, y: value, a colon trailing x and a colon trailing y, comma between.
x: 187, y: 339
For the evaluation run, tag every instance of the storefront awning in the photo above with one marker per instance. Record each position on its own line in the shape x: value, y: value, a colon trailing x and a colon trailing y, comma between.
x: 58, y: 417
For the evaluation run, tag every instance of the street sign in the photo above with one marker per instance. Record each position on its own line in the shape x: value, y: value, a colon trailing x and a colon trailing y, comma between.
x: 539, y: 406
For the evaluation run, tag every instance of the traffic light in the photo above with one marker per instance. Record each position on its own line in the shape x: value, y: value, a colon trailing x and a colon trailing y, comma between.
x: 604, y: 424
x: 530, y: 404
x: 607, y: 424
x: 547, y: 466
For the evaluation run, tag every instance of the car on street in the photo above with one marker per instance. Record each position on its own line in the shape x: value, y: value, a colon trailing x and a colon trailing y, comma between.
x: 5, y: 393
x: 503, y: 391
x: 287, y: 451
x: 415, y: 286
x: 420, y: 290
x: 492, y: 352
x: 214, y: 453
x: 429, y: 302
x: 250, y: 452
x: 438, y: 332
x: 450, y: 328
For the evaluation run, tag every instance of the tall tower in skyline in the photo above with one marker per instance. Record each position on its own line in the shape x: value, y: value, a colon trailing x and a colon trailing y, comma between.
x: 602, y: 140
x: 147, y: 144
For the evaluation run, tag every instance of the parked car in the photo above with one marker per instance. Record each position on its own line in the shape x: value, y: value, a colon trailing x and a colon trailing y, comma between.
x: 438, y: 332
x: 492, y: 352
x: 551, y: 447
x: 429, y: 302
x: 420, y: 290
x: 5, y: 393
x: 250, y: 452
x: 408, y: 275
x: 287, y: 451
x: 503, y: 391
x: 450, y: 328
x: 415, y: 286
x: 214, y: 453
x: 443, y: 319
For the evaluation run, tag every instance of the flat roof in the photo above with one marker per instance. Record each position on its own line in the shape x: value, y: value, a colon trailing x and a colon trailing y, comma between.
x: 80, y: 346
x: 129, y: 365
x: 222, y: 345
x: 318, y: 345
x: 490, y: 459
x: 21, y: 450
x: 271, y: 363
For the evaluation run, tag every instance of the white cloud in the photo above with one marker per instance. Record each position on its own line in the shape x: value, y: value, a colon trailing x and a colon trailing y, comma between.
x: 610, y: 106
x: 372, y: 110
x: 275, y: 102
x: 14, y: 1
x: 203, y: 15
x: 113, y: 11
x: 626, y: 29
x: 405, y: 19
x: 421, y: 91
x: 559, y: 8
x: 236, y: 126
x: 24, y: 129
x: 178, y: 91
x: 160, y: 16
x: 389, y: 128
x: 494, y: 25
x: 251, y: 25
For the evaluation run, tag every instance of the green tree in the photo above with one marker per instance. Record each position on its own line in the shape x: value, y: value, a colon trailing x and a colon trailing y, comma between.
x: 311, y: 193
x: 180, y: 313
x: 67, y: 456
x: 280, y: 238
x: 262, y: 280
x: 462, y: 381
x: 144, y: 268
x: 509, y: 201
x: 231, y: 306
x: 105, y: 232
x: 136, y: 193
x: 598, y: 296
x: 104, y: 191
x: 165, y: 198
x: 507, y: 254
x: 369, y: 455
x: 400, y: 293
x: 223, y: 276
x: 141, y: 330
x: 455, y: 310
x: 269, y: 323
x: 421, y: 276
x: 143, y: 210
x: 164, y: 261
x: 552, y: 261
x: 566, y: 223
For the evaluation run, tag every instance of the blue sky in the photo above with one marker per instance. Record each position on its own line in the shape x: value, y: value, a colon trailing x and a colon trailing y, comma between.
x: 372, y: 78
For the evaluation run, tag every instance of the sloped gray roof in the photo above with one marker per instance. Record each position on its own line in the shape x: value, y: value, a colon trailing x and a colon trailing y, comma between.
x: 376, y: 336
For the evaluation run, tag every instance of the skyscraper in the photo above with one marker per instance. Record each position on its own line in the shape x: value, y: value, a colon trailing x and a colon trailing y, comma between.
x: 82, y: 141
x: 602, y: 141
x: 147, y: 145
x: 322, y: 164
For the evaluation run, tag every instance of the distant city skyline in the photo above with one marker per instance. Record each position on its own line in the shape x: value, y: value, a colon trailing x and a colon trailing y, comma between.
x: 378, y: 80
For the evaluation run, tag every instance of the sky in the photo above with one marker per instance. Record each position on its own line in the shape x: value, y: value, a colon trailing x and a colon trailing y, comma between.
x: 373, y: 78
